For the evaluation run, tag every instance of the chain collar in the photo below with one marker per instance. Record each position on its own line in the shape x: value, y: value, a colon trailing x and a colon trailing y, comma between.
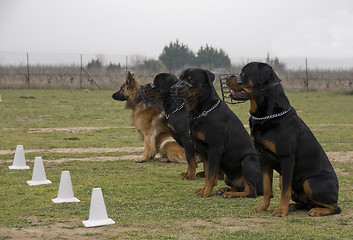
x: 177, y: 109
x: 270, y: 116
x: 204, y: 113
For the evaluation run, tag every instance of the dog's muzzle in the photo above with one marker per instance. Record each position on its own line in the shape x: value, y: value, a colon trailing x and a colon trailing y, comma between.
x: 148, y: 93
x: 228, y: 95
x: 178, y: 89
x: 239, y: 79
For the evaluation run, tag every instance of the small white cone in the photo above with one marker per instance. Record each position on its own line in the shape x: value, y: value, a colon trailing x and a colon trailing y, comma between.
x: 97, y: 213
x: 38, y: 176
x: 65, y: 193
x: 0, y: 98
x: 19, y: 161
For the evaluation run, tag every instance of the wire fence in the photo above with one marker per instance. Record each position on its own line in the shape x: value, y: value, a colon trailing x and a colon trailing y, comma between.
x: 74, y: 74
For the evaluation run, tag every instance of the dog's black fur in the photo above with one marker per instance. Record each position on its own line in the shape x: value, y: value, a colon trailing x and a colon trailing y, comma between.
x: 176, y: 116
x: 286, y: 144
x: 220, y: 139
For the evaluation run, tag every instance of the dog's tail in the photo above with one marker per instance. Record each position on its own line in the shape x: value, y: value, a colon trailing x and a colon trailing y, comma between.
x: 171, y: 151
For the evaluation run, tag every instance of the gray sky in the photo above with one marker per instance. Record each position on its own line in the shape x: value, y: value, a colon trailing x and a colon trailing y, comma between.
x: 246, y: 29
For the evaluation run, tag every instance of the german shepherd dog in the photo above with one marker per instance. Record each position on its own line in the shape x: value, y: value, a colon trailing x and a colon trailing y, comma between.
x: 150, y: 123
x: 158, y: 92
x: 220, y: 139
x: 286, y: 144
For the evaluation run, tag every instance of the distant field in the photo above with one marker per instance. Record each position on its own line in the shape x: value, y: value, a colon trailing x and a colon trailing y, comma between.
x: 89, y: 134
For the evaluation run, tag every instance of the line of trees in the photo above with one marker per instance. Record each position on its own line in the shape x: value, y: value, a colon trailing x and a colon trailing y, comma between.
x: 176, y: 56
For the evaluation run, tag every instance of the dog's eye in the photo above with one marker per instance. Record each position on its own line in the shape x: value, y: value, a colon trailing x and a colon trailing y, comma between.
x: 243, y: 75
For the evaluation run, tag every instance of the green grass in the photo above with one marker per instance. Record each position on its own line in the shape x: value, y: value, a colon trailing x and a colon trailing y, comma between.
x: 149, y: 200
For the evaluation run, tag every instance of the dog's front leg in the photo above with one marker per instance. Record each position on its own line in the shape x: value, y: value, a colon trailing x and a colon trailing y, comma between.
x: 267, y: 176
x: 287, y: 165
x: 211, y: 173
x: 191, y: 159
x: 200, y: 191
x: 149, y: 148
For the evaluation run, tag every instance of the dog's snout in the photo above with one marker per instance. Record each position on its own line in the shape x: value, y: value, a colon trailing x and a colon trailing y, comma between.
x: 239, y: 79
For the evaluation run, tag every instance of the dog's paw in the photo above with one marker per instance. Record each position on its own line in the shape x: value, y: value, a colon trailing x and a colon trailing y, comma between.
x: 140, y: 160
x: 199, y: 191
x: 319, y: 212
x: 187, y: 176
x: 221, y: 191
x: 203, y: 193
x: 260, y: 208
x: 295, y: 206
x: 280, y: 212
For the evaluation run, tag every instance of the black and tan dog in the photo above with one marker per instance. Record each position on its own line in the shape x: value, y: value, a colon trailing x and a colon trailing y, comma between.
x: 286, y: 144
x: 176, y: 116
x: 220, y: 139
x: 150, y: 123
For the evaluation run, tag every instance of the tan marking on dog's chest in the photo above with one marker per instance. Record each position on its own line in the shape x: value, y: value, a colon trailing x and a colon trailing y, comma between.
x: 270, y: 145
x: 201, y: 136
x: 253, y: 104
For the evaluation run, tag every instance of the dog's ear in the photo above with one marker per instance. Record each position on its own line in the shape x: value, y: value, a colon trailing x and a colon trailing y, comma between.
x: 184, y: 73
x: 130, y: 77
x: 266, y: 74
x: 164, y: 81
x: 210, y: 76
x: 159, y: 79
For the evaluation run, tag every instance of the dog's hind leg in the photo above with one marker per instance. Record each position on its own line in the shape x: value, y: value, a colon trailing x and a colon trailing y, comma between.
x: 323, y: 192
x: 251, y: 178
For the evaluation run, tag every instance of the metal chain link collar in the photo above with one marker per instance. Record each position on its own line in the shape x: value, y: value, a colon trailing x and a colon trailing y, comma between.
x: 204, y: 113
x: 270, y: 116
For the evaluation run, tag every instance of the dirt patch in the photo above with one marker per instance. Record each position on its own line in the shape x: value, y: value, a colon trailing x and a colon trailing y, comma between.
x: 343, y: 157
x: 126, y: 156
x: 231, y: 224
x: 100, y: 158
x: 78, y: 150
x: 65, y: 230
x: 67, y: 129
x: 71, y: 129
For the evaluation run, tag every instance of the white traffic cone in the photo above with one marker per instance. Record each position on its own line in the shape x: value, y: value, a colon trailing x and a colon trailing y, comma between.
x: 65, y: 193
x: 97, y: 213
x: 38, y: 176
x: 19, y: 161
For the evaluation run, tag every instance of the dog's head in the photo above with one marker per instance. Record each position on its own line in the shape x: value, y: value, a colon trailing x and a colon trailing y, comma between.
x: 129, y: 89
x: 160, y: 88
x: 195, y: 86
x: 253, y: 79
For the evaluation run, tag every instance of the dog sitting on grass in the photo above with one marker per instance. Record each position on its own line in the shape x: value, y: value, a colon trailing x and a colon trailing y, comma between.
x: 150, y: 123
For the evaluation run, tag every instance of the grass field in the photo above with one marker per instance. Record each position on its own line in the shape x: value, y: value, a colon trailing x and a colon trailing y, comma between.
x: 89, y: 134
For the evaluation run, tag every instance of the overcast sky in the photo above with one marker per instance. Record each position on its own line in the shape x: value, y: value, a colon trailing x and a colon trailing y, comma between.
x: 246, y: 29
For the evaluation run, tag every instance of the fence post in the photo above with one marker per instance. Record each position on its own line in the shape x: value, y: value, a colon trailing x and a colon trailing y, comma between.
x: 27, y: 76
x: 126, y: 66
x: 81, y: 74
x: 306, y: 73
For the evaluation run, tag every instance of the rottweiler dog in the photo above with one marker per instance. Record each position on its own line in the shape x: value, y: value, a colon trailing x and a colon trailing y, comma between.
x: 220, y: 139
x: 176, y: 116
x: 286, y: 144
